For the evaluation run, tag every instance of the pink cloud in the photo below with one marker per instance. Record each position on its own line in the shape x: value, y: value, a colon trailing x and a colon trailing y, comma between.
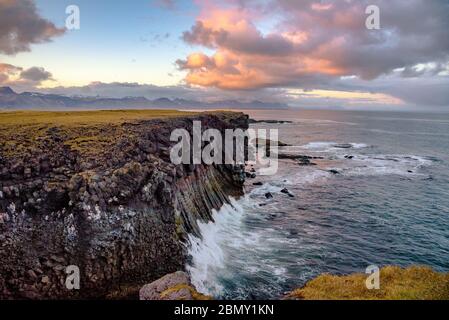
x: 312, y: 39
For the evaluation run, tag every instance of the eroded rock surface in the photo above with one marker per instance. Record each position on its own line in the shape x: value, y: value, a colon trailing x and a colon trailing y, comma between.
x: 104, y: 198
x: 175, y: 286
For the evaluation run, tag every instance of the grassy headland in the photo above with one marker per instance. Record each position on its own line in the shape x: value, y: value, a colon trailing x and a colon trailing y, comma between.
x: 414, y: 283
x: 83, y: 131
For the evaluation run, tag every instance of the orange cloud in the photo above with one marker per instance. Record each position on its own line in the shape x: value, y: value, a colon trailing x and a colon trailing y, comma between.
x: 311, y: 41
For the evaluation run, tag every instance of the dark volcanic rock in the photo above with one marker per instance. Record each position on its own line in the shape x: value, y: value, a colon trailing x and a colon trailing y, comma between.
x: 106, y: 199
x: 287, y: 192
x: 268, y: 195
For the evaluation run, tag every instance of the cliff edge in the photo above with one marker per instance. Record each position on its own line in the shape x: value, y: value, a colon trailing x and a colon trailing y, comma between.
x: 97, y: 191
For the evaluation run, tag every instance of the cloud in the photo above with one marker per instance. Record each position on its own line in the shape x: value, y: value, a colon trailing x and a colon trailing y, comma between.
x: 18, y: 77
x: 21, y: 26
x: 36, y: 74
x: 311, y: 42
x: 7, y: 71
x: 391, y: 92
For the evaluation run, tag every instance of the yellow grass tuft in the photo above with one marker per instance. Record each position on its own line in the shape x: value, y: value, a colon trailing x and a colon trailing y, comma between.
x: 414, y: 283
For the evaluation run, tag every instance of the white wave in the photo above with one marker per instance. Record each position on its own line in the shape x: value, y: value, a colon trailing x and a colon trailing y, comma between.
x: 217, y: 254
x: 326, y: 146
x: 207, y: 254
x: 369, y: 165
x: 307, y: 176
x: 272, y: 187
x: 318, y: 145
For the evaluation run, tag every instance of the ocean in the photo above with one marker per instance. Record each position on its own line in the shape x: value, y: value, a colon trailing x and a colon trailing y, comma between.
x: 385, y: 203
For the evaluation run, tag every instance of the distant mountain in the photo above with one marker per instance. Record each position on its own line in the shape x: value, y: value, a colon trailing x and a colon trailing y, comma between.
x: 6, y: 90
x: 32, y: 100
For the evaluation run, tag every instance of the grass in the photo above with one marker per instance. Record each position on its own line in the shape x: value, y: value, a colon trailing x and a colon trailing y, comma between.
x: 83, y: 131
x: 414, y: 283
x: 80, y: 118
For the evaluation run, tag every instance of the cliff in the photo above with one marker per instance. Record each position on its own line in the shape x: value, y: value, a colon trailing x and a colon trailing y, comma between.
x: 97, y: 190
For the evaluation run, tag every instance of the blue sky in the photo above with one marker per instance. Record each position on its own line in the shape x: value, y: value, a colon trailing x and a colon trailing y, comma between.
x: 306, y: 53
x: 122, y: 41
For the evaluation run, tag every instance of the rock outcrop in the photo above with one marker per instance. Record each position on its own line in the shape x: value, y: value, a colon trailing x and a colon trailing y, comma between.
x: 105, y: 199
x: 175, y: 286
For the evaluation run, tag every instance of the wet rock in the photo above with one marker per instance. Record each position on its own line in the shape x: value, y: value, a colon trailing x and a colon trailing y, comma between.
x: 250, y: 175
x: 334, y: 171
x: 287, y: 192
x: 349, y: 157
x: 259, y: 183
x: 268, y: 195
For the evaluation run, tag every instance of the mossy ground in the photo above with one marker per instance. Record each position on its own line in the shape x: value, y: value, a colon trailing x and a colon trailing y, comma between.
x: 83, y: 131
x: 414, y: 283
x: 80, y: 118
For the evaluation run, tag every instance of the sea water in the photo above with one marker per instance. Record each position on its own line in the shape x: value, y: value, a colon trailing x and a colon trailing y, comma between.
x: 387, y: 205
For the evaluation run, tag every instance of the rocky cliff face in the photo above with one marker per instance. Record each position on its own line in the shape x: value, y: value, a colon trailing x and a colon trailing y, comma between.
x: 104, y: 198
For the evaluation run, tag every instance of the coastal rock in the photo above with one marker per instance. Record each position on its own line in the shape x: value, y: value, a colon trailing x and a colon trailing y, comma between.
x: 287, y: 192
x: 175, y: 286
x: 104, y: 198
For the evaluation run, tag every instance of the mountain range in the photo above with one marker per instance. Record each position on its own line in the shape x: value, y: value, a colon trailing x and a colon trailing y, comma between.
x: 33, y: 100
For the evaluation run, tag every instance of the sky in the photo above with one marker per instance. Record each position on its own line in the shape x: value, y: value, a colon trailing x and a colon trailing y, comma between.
x: 306, y: 53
